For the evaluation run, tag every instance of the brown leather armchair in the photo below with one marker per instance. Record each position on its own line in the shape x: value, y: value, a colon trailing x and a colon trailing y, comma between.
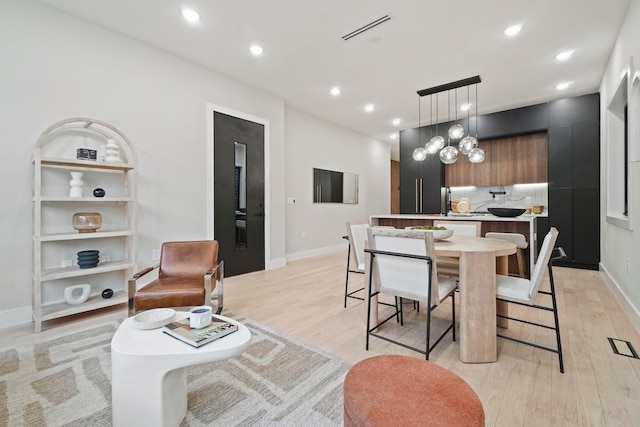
x: 185, y: 276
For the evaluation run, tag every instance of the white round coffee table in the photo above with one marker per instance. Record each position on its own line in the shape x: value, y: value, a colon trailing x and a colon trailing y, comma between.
x: 149, y: 383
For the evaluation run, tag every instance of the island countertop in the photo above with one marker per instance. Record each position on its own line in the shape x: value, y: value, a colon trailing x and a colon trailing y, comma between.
x: 457, y: 217
x: 524, y: 224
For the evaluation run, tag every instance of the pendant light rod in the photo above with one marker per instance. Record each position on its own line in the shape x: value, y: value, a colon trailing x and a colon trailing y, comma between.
x: 448, y: 86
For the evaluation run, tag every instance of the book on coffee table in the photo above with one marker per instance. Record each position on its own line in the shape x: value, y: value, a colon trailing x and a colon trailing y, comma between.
x: 181, y: 330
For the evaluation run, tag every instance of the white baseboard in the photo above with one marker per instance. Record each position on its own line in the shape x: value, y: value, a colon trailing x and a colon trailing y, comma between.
x: 15, y: 317
x: 276, y: 263
x: 632, y: 312
x: 316, y: 252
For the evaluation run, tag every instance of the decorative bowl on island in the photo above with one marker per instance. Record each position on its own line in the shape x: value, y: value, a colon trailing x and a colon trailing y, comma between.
x: 506, y: 212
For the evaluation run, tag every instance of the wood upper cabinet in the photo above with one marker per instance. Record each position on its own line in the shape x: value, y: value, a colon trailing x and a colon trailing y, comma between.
x: 514, y: 160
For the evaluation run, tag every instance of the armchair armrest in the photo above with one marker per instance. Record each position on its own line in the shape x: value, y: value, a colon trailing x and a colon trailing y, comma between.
x: 217, y: 273
x: 131, y: 287
x: 562, y: 255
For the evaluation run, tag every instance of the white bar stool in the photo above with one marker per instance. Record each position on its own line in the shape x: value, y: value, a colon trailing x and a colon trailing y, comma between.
x: 521, y: 244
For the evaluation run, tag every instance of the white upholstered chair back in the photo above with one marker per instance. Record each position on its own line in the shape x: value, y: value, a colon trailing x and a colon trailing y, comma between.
x: 404, y: 277
x: 357, y: 237
x: 543, y: 260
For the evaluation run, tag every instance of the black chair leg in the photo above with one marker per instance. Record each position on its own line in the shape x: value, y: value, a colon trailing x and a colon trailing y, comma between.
x: 453, y: 314
x: 346, y: 283
x: 555, y: 319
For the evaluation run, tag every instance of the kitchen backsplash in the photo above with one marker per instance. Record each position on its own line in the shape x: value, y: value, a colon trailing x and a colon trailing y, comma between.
x: 516, y: 196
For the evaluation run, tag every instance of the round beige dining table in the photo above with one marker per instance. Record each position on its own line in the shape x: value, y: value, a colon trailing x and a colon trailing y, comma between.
x: 480, y: 260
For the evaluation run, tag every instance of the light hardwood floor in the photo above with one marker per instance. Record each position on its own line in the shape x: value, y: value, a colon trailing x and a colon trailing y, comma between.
x: 524, y: 388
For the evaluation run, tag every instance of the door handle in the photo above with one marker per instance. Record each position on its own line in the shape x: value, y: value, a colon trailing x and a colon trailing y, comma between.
x: 421, y: 205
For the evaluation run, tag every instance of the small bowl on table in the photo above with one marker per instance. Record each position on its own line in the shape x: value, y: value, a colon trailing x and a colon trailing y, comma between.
x: 438, y: 233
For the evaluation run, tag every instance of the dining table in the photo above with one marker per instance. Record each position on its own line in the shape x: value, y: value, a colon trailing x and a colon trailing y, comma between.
x: 480, y: 259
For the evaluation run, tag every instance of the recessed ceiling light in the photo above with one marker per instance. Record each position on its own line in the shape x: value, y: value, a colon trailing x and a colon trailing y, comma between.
x: 396, y: 122
x: 335, y: 91
x: 465, y: 107
x: 368, y: 108
x: 512, y: 30
x: 256, y: 50
x: 190, y: 15
x: 562, y: 56
x: 394, y: 136
x: 563, y: 85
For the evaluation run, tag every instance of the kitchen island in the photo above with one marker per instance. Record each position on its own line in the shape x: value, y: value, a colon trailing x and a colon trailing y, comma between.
x: 524, y: 224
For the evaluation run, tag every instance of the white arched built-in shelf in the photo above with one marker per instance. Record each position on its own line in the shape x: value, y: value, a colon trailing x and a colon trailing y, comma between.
x: 55, y: 241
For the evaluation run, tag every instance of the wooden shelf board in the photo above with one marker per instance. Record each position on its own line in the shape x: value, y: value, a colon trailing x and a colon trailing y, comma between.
x: 64, y: 272
x: 95, y: 302
x: 85, y: 164
x: 82, y: 236
x: 85, y: 199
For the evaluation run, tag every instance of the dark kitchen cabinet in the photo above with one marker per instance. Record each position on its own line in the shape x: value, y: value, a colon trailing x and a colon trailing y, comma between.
x: 561, y: 217
x: 586, y: 226
x: 560, y: 156
x: 420, y: 182
x: 579, y: 109
x: 574, y: 178
x: 586, y: 154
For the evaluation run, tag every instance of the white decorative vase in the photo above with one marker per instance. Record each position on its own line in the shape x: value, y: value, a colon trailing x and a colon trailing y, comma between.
x: 76, y: 184
x: 112, y: 152
x: 77, y: 294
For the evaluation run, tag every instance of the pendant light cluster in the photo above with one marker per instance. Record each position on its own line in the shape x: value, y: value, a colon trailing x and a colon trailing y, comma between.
x: 467, y: 145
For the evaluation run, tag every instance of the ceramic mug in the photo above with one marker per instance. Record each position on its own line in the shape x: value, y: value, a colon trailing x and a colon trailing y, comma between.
x: 200, y: 317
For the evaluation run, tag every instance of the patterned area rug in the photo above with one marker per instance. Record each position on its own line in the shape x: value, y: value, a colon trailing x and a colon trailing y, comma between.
x: 277, y: 381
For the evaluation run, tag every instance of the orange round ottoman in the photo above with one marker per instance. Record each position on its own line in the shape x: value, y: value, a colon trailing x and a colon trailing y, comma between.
x: 406, y: 391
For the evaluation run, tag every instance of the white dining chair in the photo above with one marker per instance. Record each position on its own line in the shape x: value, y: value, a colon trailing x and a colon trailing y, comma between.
x: 401, y: 265
x: 357, y: 236
x: 523, y: 292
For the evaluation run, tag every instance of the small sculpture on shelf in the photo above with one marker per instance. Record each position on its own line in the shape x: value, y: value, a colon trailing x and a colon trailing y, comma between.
x: 75, y: 185
x: 99, y: 192
x: 88, y: 259
x: 112, y: 152
x: 77, y: 294
x: 107, y: 293
x: 87, y: 222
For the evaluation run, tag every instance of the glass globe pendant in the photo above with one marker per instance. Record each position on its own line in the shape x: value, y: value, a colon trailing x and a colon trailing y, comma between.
x: 467, y: 144
x: 437, y: 142
x: 448, y: 155
x: 476, y: 155
x: 419, y: 154
x: 456, y: 132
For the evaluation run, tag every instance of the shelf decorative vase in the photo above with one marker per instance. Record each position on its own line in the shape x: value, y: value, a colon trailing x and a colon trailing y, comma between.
x: 112, y: 152
x: 76, y: 184
x: 77, y: 294
x: 87, y: 222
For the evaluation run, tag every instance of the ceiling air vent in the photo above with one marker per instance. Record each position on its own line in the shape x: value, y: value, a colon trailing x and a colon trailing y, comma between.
x: 366, y: 27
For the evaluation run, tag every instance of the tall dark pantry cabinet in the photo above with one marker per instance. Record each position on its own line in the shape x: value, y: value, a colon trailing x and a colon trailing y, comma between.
x: 420, y: 182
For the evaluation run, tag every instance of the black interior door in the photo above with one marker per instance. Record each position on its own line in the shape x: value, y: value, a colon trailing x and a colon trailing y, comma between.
x: 238, y: 213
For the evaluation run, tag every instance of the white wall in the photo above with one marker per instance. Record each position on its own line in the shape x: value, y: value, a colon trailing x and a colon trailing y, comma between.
x: 620, y: 244
x: 311, y: 143
x: 55, y: 66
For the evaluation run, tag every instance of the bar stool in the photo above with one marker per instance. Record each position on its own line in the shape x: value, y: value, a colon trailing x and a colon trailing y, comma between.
x: 521, y: 244
x: 394, y: 390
